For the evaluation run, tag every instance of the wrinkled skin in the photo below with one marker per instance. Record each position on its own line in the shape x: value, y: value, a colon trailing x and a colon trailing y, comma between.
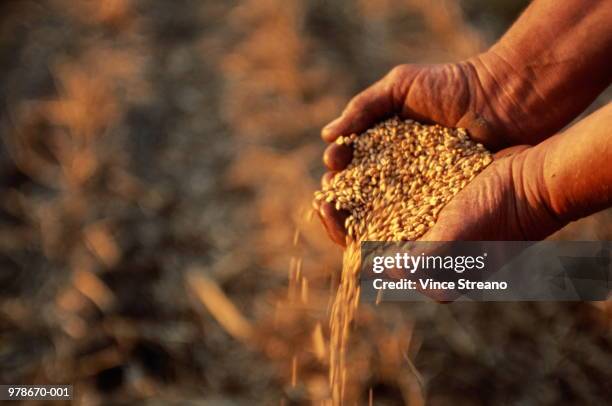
x: 452, y: 95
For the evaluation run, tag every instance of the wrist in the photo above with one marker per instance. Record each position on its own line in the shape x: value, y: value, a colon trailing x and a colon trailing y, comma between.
x: 538, y: 214
x: 572, y: 168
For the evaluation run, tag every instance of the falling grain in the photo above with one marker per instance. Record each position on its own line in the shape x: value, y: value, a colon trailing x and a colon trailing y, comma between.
x: 318, y: 342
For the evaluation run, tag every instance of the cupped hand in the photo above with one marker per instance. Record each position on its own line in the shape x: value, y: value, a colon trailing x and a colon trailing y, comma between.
x: 503, y: 202
x: 453, y: 95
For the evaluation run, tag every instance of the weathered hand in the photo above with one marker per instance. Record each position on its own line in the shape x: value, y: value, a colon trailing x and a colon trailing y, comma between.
x: 466, y: 94
x: 454, y: 95
x: 448, y: 94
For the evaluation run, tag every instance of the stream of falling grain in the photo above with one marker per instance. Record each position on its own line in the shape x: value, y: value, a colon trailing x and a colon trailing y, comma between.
x: 342, y: 314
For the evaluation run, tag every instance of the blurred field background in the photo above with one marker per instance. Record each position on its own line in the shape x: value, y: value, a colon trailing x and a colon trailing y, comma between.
x: 156, y: 170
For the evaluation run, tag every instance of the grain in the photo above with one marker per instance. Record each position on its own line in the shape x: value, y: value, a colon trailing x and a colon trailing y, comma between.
x: 401, y: 176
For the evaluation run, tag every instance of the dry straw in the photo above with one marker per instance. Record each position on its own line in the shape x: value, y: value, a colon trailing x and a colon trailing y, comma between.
x: 401, y: 176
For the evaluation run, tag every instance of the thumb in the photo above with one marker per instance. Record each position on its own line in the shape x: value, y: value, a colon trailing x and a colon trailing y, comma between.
x: 363, y: 111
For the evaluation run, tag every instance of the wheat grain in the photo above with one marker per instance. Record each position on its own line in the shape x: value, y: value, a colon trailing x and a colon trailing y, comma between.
x: 401, y: 176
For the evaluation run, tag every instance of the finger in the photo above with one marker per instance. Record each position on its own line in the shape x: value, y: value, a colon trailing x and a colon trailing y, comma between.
x: 364, y: 110
x: 327, y: 178
x: 337, y: 157
x: 333, y: 220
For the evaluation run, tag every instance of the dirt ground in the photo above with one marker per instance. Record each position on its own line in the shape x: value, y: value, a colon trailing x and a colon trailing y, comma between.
x: 156, y: 170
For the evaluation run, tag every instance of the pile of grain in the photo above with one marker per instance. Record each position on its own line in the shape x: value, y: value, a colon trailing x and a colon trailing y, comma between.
x: 401, y: 176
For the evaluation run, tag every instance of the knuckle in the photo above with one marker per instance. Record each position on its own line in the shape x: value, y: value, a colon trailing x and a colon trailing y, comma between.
x: 357, y: 103
x: 398, y: 72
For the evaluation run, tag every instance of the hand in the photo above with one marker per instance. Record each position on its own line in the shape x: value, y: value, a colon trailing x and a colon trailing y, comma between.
x: 502, y: 203
x: 465, y: 94
x: 453, y: 95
